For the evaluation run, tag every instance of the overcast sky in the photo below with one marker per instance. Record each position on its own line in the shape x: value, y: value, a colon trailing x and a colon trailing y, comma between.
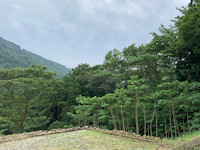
x: 71, y: 32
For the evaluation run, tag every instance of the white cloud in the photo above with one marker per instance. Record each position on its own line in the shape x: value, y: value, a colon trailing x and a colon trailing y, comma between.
x: 75, y: 31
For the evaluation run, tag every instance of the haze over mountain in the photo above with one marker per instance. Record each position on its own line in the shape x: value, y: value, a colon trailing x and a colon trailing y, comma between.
x: 11, y: 55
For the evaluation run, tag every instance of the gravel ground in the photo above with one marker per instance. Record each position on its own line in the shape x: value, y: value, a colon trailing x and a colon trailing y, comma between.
x: 78, y: 140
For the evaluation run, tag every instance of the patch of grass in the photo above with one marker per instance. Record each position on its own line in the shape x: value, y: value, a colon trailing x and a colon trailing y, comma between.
x: 103, y: 141
x: 181, y: 139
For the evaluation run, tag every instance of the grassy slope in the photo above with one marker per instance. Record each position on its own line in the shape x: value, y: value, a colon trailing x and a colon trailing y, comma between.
x: 182, y: 139
x: 77, y: 140
x: 85, y: 139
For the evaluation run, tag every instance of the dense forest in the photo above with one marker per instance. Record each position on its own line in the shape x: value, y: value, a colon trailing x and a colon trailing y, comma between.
x: 153, y: 89
x: 11, y: 55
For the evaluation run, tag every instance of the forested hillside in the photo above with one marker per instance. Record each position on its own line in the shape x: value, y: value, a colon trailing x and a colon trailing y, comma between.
x: 11, y: 55
x: 153, y: 89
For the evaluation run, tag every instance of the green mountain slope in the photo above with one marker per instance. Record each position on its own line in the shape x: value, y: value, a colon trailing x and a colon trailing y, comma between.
x: 11, y: 55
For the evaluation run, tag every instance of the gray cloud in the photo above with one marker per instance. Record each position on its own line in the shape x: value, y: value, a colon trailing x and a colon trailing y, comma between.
x: 75, y: 31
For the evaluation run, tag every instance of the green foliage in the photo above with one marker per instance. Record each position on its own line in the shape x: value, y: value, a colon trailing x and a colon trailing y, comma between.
x: 57, y: 125
x: 188, y: 44
x: 5, y: 126
x: 25, y: 97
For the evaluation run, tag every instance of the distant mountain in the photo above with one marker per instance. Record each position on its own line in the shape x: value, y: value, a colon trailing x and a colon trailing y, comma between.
x: 11, y: 55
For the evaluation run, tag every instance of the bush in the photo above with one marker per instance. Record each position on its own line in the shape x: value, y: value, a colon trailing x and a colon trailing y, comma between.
x: 68, y: 126
x: 56, y: 125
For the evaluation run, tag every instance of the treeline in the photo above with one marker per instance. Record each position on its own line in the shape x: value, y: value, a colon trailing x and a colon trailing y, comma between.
x: 153, y: 89
x: 11, y: 55
x: 171, y: 109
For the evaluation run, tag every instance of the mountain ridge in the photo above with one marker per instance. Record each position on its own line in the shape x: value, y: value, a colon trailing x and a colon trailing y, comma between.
x: 11, y: 56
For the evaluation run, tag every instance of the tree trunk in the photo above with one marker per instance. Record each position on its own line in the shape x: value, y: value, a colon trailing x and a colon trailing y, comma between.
x: 174, y: 119
x: 98, y: 123
x: 85, y: 120
x: 94, y: 120
x: 165, y: 128
x: 58, y: 112
x: 188, y: 121
x: 136, y: 115
x: 128, y: 125
x: 154, y: 112
x: 170, y: 119
x: 23, y: 119
x: 119, y: 122
x: 150, y: 128
x: 22, y: 126
x: 183, y: 128
x: 177, y: 126
x: 113, y: 118
x: 123, y: 125
x: 126, y: 122
x: 145, y: 125
x: 156, y: 124
x: 139, y: 126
